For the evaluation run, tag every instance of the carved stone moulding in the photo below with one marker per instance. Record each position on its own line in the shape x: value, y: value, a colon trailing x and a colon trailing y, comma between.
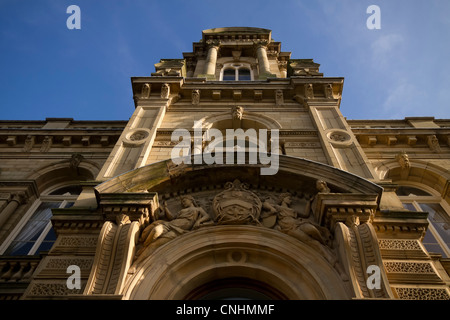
x: 400, y: 271
x: 136, y: 137
x: 402, y: 249
x: 410, y: 224
x: 339, y: 138
x: 331, y: 208
x: 123, y: 207
x: 422, y: 293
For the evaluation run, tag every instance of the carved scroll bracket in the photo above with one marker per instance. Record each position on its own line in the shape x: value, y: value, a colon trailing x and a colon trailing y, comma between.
x: 126, y: 207
x: 331, y: 208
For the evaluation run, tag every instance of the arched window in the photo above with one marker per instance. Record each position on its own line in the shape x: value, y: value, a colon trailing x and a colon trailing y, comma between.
x: 229, y: 74
x: 236, y: 72
x: 437, y: 237
x: 34, y: 233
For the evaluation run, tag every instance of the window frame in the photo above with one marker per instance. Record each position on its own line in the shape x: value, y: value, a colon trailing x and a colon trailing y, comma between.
x: 236, y: 66
x: 45, y: 197
x: 434, y: 198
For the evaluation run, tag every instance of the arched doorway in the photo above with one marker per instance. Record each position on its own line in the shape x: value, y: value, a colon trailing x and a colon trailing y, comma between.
x: 245, y: 262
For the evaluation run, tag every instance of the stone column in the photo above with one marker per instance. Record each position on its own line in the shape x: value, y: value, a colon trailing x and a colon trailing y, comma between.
x: 211, y: 58
x: 261, y: 54
x: 10, y: 208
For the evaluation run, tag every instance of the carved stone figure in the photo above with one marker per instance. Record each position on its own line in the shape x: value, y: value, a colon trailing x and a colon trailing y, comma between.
x: 309, y: 91
x: 46, y: 144
x: 313, y: 235
x: 195, y: 96
x: 146, y: 89
x: 403, y: 160
x: 237, y: 112
x: 75, y: 161
x: 279, y: 100
x: 237, y: 205
x: 29, y: 143
x: 289, y: 222
x: 329, y: 91
x: 322, y: 186
x: 433, y: 143
x: 165, y: 91
x: 159, y: 232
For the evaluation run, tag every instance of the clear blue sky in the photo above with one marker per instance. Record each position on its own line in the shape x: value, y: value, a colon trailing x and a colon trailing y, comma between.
x: 47, y: 70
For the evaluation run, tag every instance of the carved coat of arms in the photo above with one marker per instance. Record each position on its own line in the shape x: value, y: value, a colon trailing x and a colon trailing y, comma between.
x: 237, y: 205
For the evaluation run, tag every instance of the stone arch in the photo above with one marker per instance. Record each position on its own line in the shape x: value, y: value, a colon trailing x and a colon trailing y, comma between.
x: 422, y: 172
x: 62, y: 172
x: 250, y: 120
x: 156, y: 176
x: 257, y: 254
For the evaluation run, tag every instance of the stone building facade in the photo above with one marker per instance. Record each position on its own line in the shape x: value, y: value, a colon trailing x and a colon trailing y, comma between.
x: 171, y: 204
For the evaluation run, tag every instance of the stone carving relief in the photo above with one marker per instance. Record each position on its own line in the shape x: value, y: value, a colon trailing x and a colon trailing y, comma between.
x: 46, y: 144
x: 409, y: 293
x: 195, y: 97
x: 190, y: 217
x: 403, y: 159
x: 433, y: 143
x: 237, y: 112
x: 279, y: 99
x: 309, y: 91
x: 29, y: 143
x: 238, y: 205
x: 138, y: 135
x: 146, y: 89
x: 165, y: 91
x: 338, y: 136
x: 75, y: 161
x: 329, y: 91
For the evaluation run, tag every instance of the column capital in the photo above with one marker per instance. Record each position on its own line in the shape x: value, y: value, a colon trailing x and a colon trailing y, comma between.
x: 261, y: 44
x: 19, y: 197
x: 213, y: 44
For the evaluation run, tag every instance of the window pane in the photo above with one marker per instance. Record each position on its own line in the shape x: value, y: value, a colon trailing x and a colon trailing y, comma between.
x: 244, y: 74
x: 32, y: 229
x: 229, y: 75
x: 439, y: 219
x: 431, y: 244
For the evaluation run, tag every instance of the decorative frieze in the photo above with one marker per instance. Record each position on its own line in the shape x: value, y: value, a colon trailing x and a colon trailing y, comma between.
x: 414, y: 293
x: 50, y: 289
x: 411, y: 272
x: 401, y: 249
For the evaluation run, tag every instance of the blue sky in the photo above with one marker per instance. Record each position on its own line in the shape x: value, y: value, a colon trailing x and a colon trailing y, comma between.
x: 47, y: 70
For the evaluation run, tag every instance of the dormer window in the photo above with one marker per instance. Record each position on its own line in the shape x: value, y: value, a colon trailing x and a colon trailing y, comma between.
x: 236, y: 72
